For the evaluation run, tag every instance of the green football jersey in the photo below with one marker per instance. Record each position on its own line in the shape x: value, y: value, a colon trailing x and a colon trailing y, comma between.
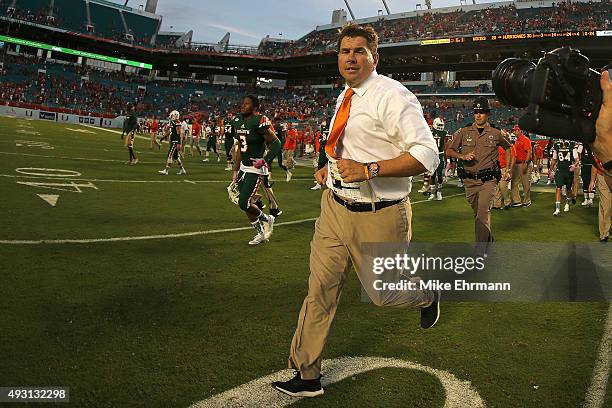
x: 175, y: 132
x: 228, y: 129
x: 440, y: 137
x: 564, y: 152
x: 251, y: 134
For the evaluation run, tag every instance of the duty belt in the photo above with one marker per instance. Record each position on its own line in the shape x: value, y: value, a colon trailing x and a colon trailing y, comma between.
x: 363, y: 207
x: 484, y: 174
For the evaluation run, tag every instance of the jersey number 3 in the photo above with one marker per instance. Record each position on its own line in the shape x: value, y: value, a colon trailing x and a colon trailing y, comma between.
x: 243, y: 143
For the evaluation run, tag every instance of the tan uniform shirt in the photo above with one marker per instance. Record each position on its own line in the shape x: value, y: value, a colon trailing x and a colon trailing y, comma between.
x: 484, y: 146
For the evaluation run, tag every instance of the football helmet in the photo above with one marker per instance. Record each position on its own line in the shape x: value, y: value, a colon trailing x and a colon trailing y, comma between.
x: 175, y: 115
x: 233, y: 192
x: 438, y: 124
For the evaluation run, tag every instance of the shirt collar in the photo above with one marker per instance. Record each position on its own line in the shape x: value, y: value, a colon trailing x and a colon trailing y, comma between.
x: 363, y: 87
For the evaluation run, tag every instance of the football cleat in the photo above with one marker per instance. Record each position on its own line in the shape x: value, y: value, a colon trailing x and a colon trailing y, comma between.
x: 204, y: 160
x: 276, y: 212
x: 164, y: 172
x: 258, y: 239
x: 557, y: 212
x: 289, y: 175
x: 423, y: 189
x: 439, y: 196
x: 218, y: 159
x: 228, y: 167
x: 566, y: 208
x: 182, y: 172
x: 317, y: 186
x: 432, y: 197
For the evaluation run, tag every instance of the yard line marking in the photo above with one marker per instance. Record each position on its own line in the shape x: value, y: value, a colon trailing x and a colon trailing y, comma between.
x: 71, y: 158
x: 259, y: 393
x: 164, y: 236
x: 134, y: 181
x: 596, y: 394
x: 51, y: 199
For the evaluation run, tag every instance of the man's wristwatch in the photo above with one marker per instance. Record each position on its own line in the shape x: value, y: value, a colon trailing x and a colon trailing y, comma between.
x: 372, y: 170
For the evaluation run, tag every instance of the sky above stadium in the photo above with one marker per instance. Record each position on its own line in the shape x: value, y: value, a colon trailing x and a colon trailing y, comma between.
x: 250, y: 21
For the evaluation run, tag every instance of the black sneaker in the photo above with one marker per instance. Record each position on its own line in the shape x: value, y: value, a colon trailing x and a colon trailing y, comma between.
x: 276, y: 212
x: 431, y: 313
x: 260, y: 204
x: 296, y: 387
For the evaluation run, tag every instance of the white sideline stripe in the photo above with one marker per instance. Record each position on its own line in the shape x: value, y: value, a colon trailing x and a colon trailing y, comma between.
x: 142, y: 238
x: 596, y: 394
x: 259, y: 393
x: 149, y: 237
x: 115, y: 131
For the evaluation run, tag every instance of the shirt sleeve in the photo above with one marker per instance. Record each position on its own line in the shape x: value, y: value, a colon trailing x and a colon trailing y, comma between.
x: 402, y: 118
x: 455, y: 141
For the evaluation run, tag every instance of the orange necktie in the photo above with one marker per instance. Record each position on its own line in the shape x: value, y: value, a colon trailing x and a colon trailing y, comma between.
x: 339, y: 124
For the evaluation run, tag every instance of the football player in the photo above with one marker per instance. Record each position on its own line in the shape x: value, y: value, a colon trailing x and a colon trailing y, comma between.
x: 211, y: 144
x: 174, y: 131
x: 228, y: 139
x: 586, y: 160
x: 154, y: 132
x: 130, y: 127
x: 253, y: 132
x: 564, y: 162
x: 185, y: 136
x: 280, y: 131
x: 437, y: 178
x: 196, y: 132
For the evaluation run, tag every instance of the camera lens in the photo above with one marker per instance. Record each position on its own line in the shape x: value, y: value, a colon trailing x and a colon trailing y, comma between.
x: 512, y: 81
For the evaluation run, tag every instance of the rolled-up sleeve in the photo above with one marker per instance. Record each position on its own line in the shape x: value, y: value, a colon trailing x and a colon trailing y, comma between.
x: 402, y: 118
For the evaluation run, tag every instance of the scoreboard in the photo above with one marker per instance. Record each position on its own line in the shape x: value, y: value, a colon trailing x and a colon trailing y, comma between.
x: 516, y: 36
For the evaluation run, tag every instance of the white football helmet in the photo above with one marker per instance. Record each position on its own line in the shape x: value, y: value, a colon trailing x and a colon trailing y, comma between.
x: 175, y: 115
x: 233, y: 192
x: 438, y: 124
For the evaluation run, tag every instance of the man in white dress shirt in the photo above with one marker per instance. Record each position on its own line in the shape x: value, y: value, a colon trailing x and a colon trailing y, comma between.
x: 378, y: 140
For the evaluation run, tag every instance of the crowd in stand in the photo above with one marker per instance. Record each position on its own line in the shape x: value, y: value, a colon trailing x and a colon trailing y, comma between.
x: 85, y: 89
x: 425, y: 25
x: 493, y: 20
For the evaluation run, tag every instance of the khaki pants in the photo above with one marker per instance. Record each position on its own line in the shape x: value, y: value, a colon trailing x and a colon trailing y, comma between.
x: 605, y: 207
x: 336, y: 245
x: 480, y: 196
x: 525, y: 180
x: 502, y: 194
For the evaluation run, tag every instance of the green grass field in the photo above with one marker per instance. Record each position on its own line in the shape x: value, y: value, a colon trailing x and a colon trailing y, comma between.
x: 180, y: 317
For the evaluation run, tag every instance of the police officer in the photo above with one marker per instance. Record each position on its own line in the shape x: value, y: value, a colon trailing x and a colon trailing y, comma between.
x: 476, y: 145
